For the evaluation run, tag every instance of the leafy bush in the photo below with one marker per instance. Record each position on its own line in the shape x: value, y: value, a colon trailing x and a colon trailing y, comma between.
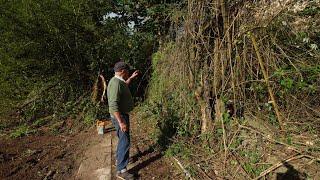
x: 22, y: 130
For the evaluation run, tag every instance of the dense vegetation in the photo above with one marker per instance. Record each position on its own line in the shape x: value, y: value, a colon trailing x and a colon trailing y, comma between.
x: 232, y: 87
x: 53, y: 51
x: 238, y: 87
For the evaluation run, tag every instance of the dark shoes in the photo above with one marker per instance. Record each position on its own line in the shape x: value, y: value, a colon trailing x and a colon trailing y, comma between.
x: 125, y: 175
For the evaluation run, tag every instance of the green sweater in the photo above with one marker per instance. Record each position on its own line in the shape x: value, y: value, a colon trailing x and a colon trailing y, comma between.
x: 119, y: 96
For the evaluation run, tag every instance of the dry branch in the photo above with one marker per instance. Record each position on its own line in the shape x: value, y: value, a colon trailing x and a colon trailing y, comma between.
x: 315, y: 111
x: 205, y: 174
x: 271, y: 139
x: 279, y: 142
x: 186, y: 172
x: 266, y: 78
x: 241, y: 164
x: 277, y: 165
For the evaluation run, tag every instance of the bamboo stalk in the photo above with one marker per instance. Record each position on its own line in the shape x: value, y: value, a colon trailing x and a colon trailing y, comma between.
x: 219, y: 109
x: 216, y: 68
x: 266, y: 78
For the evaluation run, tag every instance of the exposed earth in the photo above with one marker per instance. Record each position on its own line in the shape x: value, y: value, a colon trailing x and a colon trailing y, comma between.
x: 48, y: 156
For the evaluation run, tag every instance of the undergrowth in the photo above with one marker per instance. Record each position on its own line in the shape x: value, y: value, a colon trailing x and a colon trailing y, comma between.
x: 191, y: 74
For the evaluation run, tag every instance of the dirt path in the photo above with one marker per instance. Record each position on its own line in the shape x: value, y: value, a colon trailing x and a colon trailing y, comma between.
x: 42, y: 156
x: 81, y: 155
x: 145, y: 161
x: 96, y: 163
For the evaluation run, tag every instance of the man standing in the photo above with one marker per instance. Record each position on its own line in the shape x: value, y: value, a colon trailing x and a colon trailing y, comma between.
x: 120, y: 104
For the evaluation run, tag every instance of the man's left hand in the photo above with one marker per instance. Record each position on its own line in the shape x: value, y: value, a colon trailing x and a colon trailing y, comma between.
x: 135, y: 74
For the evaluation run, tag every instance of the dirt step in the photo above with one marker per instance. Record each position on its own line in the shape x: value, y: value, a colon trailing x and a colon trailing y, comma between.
x: 96, y: 163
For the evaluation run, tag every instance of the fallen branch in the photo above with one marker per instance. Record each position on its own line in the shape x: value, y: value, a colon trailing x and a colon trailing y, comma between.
x: 271, y: 139
x: 186, y: 172
x: 236, y: 172
x: 315, y: 111
x: 277, y: 165
x: 241, y: 164
x: 279, y: 142
x: 205, y: 174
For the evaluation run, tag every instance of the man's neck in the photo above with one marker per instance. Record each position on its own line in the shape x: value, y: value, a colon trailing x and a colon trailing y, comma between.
x: 119, y: 77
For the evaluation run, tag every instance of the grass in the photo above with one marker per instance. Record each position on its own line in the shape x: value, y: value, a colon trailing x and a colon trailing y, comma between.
x: 41, y: 121
x: 251, y: 166
x: 21, y: 131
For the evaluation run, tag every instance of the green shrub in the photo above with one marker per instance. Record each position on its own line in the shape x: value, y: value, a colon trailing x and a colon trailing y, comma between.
x: 22, y: 130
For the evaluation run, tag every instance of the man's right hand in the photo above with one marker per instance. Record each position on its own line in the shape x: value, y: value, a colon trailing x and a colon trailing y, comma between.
x: 121, y: 121
x: 123, y: 126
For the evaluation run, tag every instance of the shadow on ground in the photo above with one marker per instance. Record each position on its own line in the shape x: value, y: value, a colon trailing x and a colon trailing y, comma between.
x: 154, y: 157
x: 291, y: 173
x: 167, y: 129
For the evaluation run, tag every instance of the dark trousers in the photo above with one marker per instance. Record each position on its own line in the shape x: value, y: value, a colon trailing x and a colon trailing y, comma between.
x: 123, y: 147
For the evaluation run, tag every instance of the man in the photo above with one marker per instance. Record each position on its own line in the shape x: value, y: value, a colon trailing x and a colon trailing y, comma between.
x: 120, y: 104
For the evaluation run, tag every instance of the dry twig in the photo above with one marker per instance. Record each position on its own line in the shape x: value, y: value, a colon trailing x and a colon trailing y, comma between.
x: 273, y: 99
x: 279, y: 142
x: 277, y: 165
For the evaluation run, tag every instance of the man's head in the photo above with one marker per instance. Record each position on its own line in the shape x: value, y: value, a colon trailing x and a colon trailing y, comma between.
x: 122, y: 69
